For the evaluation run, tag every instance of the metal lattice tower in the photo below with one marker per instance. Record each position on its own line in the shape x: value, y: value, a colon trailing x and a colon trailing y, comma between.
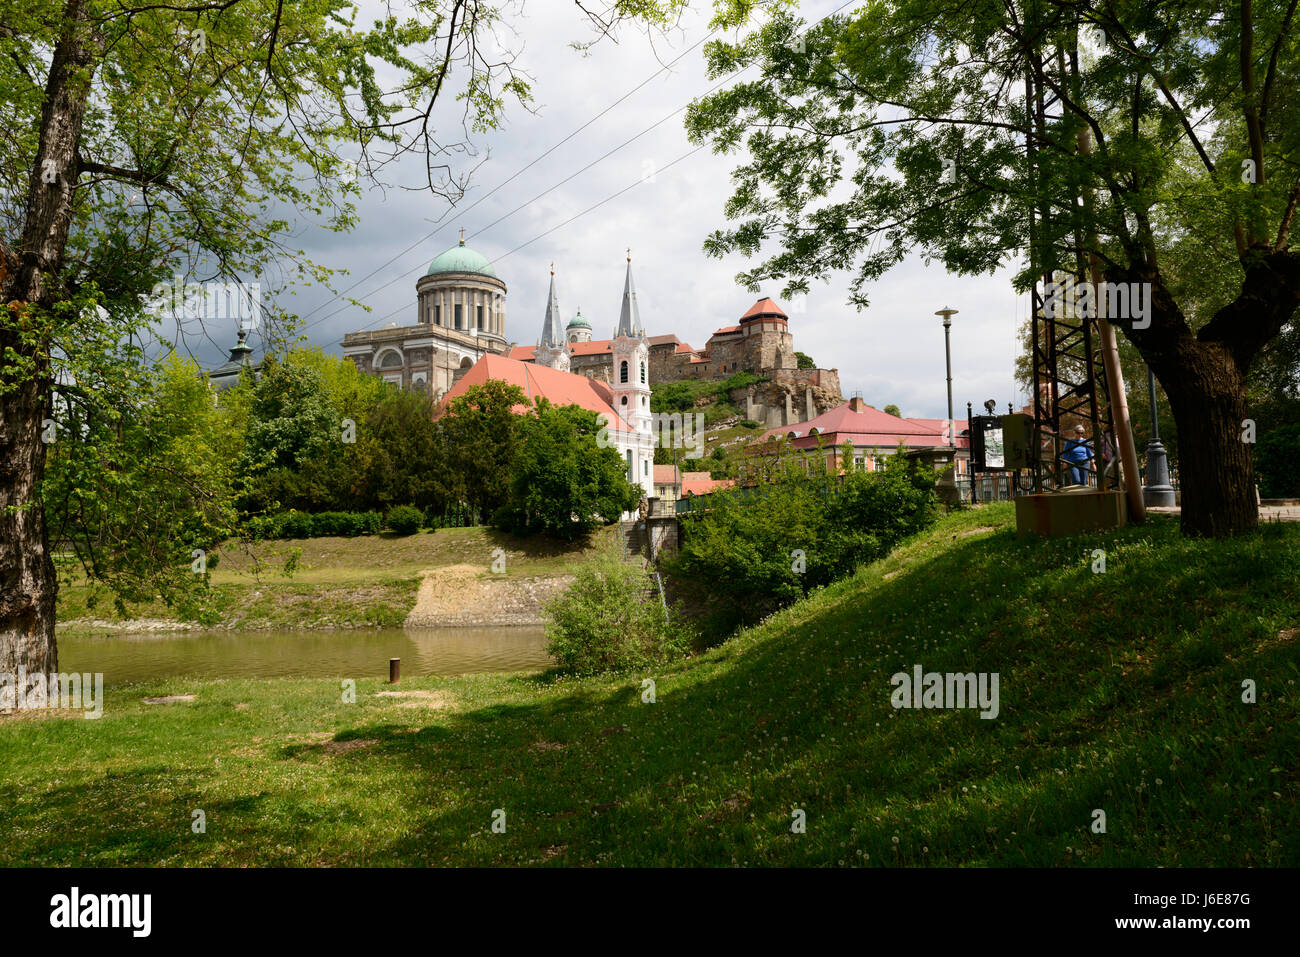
x: 1069, y: 372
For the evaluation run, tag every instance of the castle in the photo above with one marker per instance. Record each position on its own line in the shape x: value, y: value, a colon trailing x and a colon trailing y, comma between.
x: 461, y: 318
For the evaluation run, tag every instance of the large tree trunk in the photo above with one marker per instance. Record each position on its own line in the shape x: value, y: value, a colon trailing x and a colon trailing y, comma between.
x: 27, y: 582
x: 29, y: 279
x: 1207, y: 395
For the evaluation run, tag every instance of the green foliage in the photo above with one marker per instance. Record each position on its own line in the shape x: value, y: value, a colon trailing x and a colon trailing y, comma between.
x: 481, y: 434
x: 295, y: 524
x: 689, y: 395
x: 1277, y: 458
x: 756, y: 549
x: 139, y: 475
x: 405, y: 519
x: 563, y: 483
x: 611, y: 619
x: 893, y: 410
x: 804, y: 361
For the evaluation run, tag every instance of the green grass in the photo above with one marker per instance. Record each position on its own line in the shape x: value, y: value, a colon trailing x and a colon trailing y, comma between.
x: 1119, y: 691
x: 367, y: 581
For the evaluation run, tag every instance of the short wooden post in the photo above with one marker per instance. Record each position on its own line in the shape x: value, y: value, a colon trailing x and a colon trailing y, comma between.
x: 394, y: 670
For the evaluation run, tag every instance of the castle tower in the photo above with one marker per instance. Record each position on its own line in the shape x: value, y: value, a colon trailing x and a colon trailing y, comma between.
x: 552, y: 350
x: 631, y: 386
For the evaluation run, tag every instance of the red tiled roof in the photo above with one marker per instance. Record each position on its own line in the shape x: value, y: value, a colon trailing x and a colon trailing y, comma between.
x: 871, y: 426
x: 764, y: 307
x: 702, y: 486
x: 726, y: 330
x: 560, y: 388
x: 685, y: 347
x: 665, y: 474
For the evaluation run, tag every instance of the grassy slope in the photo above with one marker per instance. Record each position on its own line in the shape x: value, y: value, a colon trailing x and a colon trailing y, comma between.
x: 341, y: 582
x: 1119, y: 691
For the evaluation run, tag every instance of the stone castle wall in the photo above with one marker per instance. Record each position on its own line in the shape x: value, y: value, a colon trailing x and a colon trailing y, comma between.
x: 790, y: 396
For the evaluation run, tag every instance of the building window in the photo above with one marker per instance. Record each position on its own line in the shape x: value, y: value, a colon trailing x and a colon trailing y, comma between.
x: 643, y: 373
x: 437, y: 315
x: 631, y: 475
x: 458, y: 309
x: 390, y: 360
x: 480, y: 316
x: 622, y: 371
x: 859, y: 462
x: 625, y: 400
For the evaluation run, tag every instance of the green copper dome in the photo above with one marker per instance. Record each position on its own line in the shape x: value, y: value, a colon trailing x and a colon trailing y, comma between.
x: 460, y: 258
x: 578, y: 321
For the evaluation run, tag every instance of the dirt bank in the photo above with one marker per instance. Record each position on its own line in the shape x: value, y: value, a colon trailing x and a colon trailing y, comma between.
x: 466, y: 595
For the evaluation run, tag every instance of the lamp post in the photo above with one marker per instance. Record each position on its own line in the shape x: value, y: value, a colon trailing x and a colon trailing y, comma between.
x: 1157, y: 492
x: 947, y: 352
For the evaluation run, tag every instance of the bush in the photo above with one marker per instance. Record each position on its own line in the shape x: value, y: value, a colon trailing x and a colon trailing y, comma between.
x: 753, y: 550
x: 610, y: 620
x: 294, y: 524
x: 405, y: 519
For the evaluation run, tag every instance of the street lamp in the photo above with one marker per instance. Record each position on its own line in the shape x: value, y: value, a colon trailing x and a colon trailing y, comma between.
x: 1157, y: 492
x: 947, y: 352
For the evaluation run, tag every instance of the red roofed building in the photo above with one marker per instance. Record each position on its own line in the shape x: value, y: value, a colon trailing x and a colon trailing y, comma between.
x: 874, y: 435
x: 672, y: 484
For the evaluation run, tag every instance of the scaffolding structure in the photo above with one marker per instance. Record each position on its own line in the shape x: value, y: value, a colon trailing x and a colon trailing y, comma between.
x: 1070, y: 385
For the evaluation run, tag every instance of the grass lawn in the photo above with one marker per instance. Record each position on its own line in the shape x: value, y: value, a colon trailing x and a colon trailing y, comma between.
x: 367, y: 581
x: 1119, y: 692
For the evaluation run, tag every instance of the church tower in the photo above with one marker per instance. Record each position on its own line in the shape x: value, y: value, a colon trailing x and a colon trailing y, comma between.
x: 552, y: 350
x: 631, y: 386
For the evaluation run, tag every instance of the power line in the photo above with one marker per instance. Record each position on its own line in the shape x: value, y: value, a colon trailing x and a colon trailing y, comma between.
x: 518, y: 173
x: 562, y: 182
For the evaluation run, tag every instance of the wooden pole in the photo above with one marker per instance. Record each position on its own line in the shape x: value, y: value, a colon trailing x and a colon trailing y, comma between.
x: 394, y: 670
x: 1137, y: 510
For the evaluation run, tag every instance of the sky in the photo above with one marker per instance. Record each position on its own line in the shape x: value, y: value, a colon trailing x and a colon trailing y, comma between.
x: 892, y: 352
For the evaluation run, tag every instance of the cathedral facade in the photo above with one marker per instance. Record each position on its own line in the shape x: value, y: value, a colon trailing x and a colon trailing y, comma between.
x: 460, y: 317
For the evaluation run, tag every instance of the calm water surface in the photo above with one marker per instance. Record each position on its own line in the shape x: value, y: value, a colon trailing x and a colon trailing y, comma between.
x: 306, y: 654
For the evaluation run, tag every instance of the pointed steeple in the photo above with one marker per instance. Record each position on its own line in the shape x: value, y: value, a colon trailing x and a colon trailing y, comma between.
x: 553, y: 327
x: 629, y: 319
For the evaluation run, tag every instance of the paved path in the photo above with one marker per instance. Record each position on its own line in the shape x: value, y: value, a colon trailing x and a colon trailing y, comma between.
x: 1267, y: 513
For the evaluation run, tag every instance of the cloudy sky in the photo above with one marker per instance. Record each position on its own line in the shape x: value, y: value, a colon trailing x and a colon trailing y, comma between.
x: 891, y: 352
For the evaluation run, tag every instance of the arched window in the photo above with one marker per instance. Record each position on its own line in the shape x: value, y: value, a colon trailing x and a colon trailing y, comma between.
x: 625, y: 400
x: 390, y: 360
x: 622, y: 371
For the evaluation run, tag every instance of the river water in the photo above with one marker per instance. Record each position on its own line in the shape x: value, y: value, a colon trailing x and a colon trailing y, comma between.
x: 306, y: 654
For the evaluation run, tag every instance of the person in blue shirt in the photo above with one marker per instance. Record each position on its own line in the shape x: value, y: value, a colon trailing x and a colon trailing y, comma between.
x: 1077, y: 455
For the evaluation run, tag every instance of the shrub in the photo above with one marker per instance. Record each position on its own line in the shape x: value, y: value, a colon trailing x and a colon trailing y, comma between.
x: 405, y: 519
x: 611, y: 619
x: 294, y: 524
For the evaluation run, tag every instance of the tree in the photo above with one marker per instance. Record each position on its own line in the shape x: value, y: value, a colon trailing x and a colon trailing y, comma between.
x: 480, y: 433
x: 894, y: 410
x: 906, y: 125
x: 804, y: 361
x: 563, y: 482
x: 117, y: 472
x: 145, y: 140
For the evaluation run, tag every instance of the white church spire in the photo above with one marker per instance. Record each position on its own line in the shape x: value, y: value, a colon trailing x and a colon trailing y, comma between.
x: 552, y: 336
x: 552, y: 351
x: 629, y: 319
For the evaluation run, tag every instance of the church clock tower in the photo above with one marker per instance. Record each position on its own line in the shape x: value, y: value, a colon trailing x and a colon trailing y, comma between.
x: 631, y: 387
